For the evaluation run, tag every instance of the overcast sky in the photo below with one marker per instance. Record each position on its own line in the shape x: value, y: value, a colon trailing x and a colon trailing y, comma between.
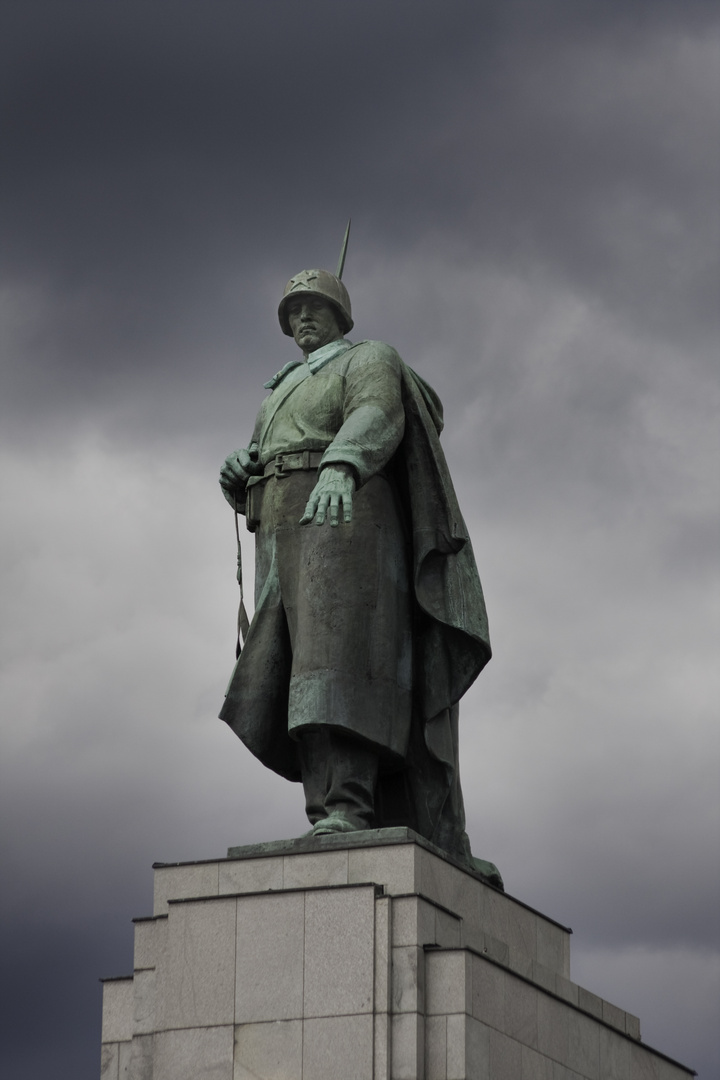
x: 533, y: 189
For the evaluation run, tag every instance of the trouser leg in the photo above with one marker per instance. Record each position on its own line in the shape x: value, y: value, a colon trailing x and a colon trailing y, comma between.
x: 339, y: 776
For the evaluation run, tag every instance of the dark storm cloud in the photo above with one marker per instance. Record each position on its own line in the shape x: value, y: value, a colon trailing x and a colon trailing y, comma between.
x: 64, y: 996
x: 167, y: 167
x: 533, y: 196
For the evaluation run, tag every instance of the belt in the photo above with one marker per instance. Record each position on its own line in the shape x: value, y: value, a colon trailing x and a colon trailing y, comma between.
x: 282, y: 464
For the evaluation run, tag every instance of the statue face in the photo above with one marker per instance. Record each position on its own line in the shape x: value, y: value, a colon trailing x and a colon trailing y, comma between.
x: 313, y: 322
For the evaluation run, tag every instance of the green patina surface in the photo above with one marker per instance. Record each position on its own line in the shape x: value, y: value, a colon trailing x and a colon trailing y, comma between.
x: 369, y: 621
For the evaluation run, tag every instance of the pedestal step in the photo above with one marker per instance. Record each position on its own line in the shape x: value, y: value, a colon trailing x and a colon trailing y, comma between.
x: 365, y: 957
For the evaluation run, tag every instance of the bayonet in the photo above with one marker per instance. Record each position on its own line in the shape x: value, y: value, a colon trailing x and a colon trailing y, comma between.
x: 343, y: 253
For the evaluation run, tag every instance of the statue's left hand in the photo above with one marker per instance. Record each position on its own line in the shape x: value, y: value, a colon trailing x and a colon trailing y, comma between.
x: 334, y: 488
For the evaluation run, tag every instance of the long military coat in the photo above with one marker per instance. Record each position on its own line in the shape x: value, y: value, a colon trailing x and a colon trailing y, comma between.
x: 377, y: 626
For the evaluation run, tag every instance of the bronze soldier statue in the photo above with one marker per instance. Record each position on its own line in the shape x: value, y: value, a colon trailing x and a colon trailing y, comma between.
x: 369, y: 621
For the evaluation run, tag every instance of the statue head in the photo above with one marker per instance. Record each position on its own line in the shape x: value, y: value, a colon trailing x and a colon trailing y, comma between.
x: 320, y: 283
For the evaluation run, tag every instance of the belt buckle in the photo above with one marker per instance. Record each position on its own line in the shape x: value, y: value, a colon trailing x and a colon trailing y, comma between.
x: 279, y: 466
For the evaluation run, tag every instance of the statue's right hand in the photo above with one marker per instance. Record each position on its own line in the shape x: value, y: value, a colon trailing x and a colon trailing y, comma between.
x: 237, y: 469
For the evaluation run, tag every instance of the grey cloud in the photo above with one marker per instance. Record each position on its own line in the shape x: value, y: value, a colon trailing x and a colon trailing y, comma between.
x: 532, y: 196
x: 164, y: 159
x: 64, y: 995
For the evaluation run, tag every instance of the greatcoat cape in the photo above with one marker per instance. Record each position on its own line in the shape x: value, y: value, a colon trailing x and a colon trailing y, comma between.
x: 446, y: 618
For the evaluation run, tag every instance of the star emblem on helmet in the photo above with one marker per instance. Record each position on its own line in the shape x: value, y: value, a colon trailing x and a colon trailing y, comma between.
x: 298, y: 282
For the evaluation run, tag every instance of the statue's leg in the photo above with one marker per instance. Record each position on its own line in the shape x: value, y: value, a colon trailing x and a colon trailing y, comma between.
x: 339, y: 777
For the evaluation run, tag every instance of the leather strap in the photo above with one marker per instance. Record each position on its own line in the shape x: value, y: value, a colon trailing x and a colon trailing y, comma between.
x: 243, y: 624
x: 298, y: 460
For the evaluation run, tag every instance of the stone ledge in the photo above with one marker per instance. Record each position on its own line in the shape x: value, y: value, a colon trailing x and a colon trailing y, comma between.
x: 379, y: 891
x: 427, y: 899
x: 362, y: 839
x: 634, y: 1023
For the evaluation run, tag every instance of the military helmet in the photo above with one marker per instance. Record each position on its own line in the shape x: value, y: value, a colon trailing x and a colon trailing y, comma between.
x: 317, y: 283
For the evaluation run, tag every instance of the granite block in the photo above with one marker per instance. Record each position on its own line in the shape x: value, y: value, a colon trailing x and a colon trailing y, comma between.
x: 452, y: 888
x: 614, y: 1016
x: 413, y: 921
x: 338, y: 1046
x: 496, y: 915
x: 194, y: 1054
x: 448, y: 982
x: 125, y: 1061
x: 521, y: 963
x: 553, y: 1029
x: 408, y: 979
x: 109, y: 1053
x: 198, y: 972
x: 591, y: 1003
x: 315, y: 870
x: 437, y: 880
x: 468, y: 1048
x: 117, y: 1013
x: 250, y: 875
x: 534, y: 1066
x: 496, y: 950
x: 583, y: 1045
x: 472, y: 937
x: 382, y: 1050
x: 383, y: 953
x: 542, y: 976
x: 561, y: 1072
x: 270, y: 1050
x: 269, y: 974
x: 393, y: 867
x: 144, y: 1002
x: 521, y: 1012
x: 511, y: 923
x: 665, y: 1070
x: 566, y: 989
x: 183, y: 883
x: 615, y: 1056
x: 339, y: 951
x: 489, y: 985
x: 644, y: 1066
x: 448, y: 930
x: 551, y: 951
x: 150, y: 936
x: 436, y: 1048
x: 408, y: 1047
x: 457, y: 1065
x: 142, y: 1053
x: 505, y: 1057
x: 632, y: 1026
x: 468, y: 898
x: 566, y: 955
x: 477, y: 1049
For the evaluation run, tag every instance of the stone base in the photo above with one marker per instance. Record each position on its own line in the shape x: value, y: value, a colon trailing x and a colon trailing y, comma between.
x: 368, y: 955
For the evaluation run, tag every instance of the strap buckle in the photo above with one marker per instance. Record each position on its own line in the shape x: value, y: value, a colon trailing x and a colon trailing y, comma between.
x: 279, y: 465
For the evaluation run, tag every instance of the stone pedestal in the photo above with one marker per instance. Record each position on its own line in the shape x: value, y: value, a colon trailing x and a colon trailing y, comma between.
x: 369, y: 955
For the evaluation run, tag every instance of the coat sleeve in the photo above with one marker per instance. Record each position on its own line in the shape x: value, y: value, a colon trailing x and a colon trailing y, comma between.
x: 373, y: 411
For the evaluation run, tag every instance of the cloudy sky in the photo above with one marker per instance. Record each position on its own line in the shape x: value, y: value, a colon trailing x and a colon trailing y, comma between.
x: 533, y: 189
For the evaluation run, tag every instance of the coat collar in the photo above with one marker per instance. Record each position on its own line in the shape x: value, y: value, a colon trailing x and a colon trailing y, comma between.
x: 315, y: 360
x: 321, y: 357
